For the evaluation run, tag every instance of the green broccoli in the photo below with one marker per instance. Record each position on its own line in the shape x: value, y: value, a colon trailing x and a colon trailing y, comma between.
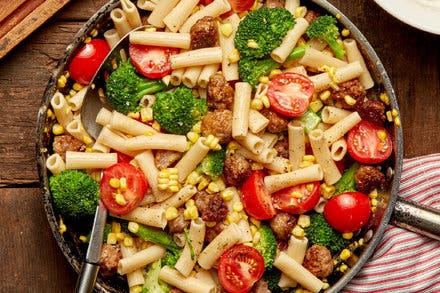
x: 297, y: 52
x: 125, y: 88
x: 310, y: 120
x: 152, y: 282
x: 177, y: 111
x: 75, y: 194
x: 157, y: 236
x: 272, y: 277
x: 324, y: 28
x: 321, y: 233
x: 212, y: 165
x: 250, y: 69
x: 267, y: 245
x: 262, y: 30
x: 170, y: 258
x: 347, y: 183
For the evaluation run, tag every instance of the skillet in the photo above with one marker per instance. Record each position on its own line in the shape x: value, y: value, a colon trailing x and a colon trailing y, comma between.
x: 390, y: 209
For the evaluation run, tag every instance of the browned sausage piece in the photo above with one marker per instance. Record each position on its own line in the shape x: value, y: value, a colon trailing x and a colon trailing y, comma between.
x: 352, y: 88
x: 220, y: 95
x: 108, y: 261
x: 370, y: 110
x: 282, y: 147
x: 236, y: 169
x: 165, y: 158
x: 273, y: 4
x: 212, y: 232
x: 277, y: 123
x: 66, y: 142
x: 212, y: 207
x: 178, y: 224
x: 368, y: 178
x: 204, y: 33
x: 219, y: 124
x: 318, y: 261
x: 282, y: 224
x: 311, y: 16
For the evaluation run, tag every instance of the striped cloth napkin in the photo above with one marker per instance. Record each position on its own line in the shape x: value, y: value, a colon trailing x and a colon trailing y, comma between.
x: 405, y: 261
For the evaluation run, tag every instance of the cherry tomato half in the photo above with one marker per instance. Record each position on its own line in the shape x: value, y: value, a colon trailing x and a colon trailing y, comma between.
x: 255, y: 197
x: 288, y: 201
x: 236, y: 5
x: 290, y: 93
x: 133, y: 193
x: 369, y: 143
x: 87, y: 61
x: 151, y: 61
x: 348, y: 211
x: 239, y: 268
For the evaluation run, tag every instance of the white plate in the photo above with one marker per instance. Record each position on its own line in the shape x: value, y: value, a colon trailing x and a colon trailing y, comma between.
x: 421, y: 14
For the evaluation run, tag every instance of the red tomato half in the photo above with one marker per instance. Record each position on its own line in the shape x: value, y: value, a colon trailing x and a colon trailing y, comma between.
x: 236, y: 5
x: 310, y: 193
x: 369, y: 143
x: 290, y: 93
x: 133, y: 194
x: 348, y: 211
x: 151, y: 61
x: 255, y: 197
x: 87, y: 61
x: 239, y: 268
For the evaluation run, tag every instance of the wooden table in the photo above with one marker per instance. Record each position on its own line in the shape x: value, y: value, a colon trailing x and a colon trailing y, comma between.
x: 31, y: 259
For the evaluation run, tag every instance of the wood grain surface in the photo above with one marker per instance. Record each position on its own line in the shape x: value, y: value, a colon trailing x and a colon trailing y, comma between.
x: 31, y: 260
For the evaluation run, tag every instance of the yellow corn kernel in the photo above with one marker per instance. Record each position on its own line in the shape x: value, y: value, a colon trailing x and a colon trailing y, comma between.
x: 384, y: 98
x: 146, y: 114
x: 349, y: 100
x: 57, y: 129
x: 120, y: 200
x: 226, y: 29
x: 203, y: 183
x: 345, y: 254
x: 114, y: 183
x: 233, y: 217
x: 133, y: 227
x: 87, y: 140
x: 220, y: 184
x: 61, y: 82
x: 254, y: 6
x: 128, y: 241
x: 83, y: 238
x: 397, y: 121
x: 309, y: 158
x: 324, y: 95
x: 173, y: 188
x: 252, y: 44
x: 213, y: 142
x: 374, y: 202
x: 63, y: 227
x: 210, y: 224
x: 382, y: 134
x: 304, y: 221
x: 345, y: 32
x: 361, y: 241
x: 136, y: 289
x: 373, y: 193
x: 263, y: 79
x: 227, y: 194
x: 50, y: 114
x: 116, y: 227
x: 256, y: 238
x: 257, y: 104
x: 192, y: 136
x: 343, y: 268
x: 389, y: 116
x: 193, y: 178
x: 253, y: 230
x: 327, y: 191
x: 266, y: 102
x: 212, y: 188
x: 347, y: 235
x: 296, y: 194
x: 72, y: 92
x: 394, y: 112
x: 237, y: 206
x: 120, y: 236
x: 150, y: 28
x: 191, y: 213
x: 300, y: 11
x: 305, y: 164
x: 111, y: 238
x: 373, y: 209
x: 325, y: 286
x: 274, y: 73
x: 156, y: 125
x: 190, y: 203
x: 310, y: 187
x: 298, y: 231
x: 316, y: 105
x: 77, y: 87
x: 197, y: 128
x: 123, y: 183
x: 234, y: 56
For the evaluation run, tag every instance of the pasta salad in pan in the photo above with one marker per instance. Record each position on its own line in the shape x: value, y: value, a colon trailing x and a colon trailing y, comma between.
x: 242, y: 149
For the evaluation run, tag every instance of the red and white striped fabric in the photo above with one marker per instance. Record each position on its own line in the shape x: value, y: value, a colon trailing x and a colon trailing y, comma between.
x: 406, y: 261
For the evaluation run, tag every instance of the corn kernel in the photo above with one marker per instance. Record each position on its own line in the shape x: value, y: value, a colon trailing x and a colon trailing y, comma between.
x: 300, y: 12
x: 397, y: 121
x: 116, y: 227
x: 361, y: 241
x: 237, y: 206
x: 57, y: 129
x: 263, y: 79
x: 324, y: 95
x: 257, y: 104
x: 233, y: 217
x: 128, y: 241
x: 190, y: 203
x: 347, y: 235
x: 77, y: 87
x: 133, y: 227
x: 191, y: 213
x: 296, y: 194
x: 389, y: 116
x: 394, y: 113
x: 373, y: 209
x: 373, y: 202
x: 252, y: 44
x: 192, y: 136
x: 257, y: 223
x: 327, y: 191
x: 304, y: 221
x: 305, y: 164
x: 111, y: 238
x: 123, y: 183
x: 309, y: 158
x: 83, y: 238
x: 226, y: 29
x: 114, y: 183
x: 266, y: 102
x: 274, y: 73
x: 210, y: 224
x: 382, y: 134
x: 349, y: 100
x: 193, y: 178
x: 345, y: 254
x: 156, y: 125
x: 146, y: 114
x: 197, y: 128
x: 120, y: 200
x: 345, y: 32
x: 298, y: 231
x: 316, y: 105
x: 256, y: 238
x: 203, y: 183
x: 212, y: 188
x: 325, y: 286
x: 136, y: 289
x: 234, y: 56
x: 384, y: 98
x: 173, y: 188
x: 61, y: 82
x: 343, y: 268
x: 373, y: 193
x: 227, y: 194
x: 120, y: 236
x: 254, y: 6
x: 253, y: 230
x: 63, y: 227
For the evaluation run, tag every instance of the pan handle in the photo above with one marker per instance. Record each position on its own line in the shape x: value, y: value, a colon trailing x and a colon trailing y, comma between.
x: 416, y: 218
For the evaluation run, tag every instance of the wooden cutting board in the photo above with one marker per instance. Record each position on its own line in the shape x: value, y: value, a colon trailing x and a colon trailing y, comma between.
x: 19, y: 18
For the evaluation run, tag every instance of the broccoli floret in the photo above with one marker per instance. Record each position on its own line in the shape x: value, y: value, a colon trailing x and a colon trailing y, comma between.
x: 152, y: 282
x: 321, y: 233
x: 212, y: 165
x: 324, y: 28
x: 272, y: 277
x: 170, y: 258
x: 75, y: 194
x: 347, y: 183
x: 250, y: 70
x: 262, y: 30
x: 177, y: 111
x: 125, y: 88
x: 267, y: 245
